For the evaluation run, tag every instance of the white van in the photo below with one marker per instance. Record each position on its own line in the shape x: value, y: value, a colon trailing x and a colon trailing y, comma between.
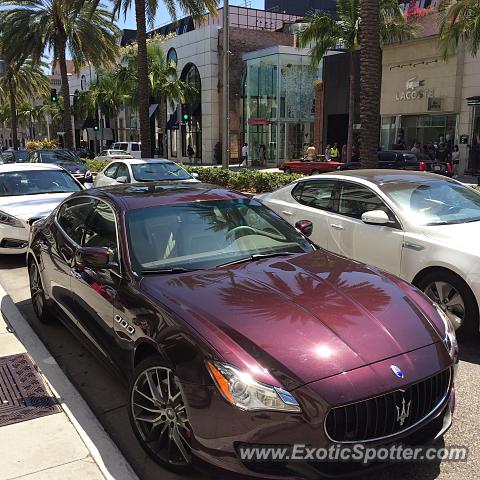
x: 133, y: 148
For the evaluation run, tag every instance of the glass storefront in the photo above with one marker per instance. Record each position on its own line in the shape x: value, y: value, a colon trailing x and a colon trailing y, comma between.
x: 279, y: 104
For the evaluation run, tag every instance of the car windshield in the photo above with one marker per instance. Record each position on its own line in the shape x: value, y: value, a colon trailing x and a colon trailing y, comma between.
x: 59, y: 157
x: 118, y: 152
x: 20, y: 156
x: 34, y: 182
x: 207, y: 234
x: 438, y: 202
x: 155, y: 172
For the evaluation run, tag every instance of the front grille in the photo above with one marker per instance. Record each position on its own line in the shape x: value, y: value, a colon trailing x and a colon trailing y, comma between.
x: 381, y: 416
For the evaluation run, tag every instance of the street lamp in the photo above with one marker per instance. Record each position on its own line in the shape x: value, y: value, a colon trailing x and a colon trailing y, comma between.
x: 226, y: 87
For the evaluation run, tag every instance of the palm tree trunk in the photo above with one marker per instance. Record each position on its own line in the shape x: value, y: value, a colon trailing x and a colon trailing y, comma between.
x: 143, y: 87
x: 13, y: 114
x: 351, y: 107
x: 370, y: 81
x: 67, y: 115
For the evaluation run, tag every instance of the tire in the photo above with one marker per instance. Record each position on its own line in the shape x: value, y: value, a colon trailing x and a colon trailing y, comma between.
x: 315, y: 172
x: 455, y: 297
x: 166, y: 421
x: 287, y: 170
x: 39, y: 301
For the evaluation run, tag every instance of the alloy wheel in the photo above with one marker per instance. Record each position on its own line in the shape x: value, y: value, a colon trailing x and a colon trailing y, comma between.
x: 160, y: 417
x: 36, y: 291
x: 449, y: 300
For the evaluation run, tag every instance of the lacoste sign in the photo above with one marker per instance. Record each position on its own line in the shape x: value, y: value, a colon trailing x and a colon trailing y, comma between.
x: 414, y: 90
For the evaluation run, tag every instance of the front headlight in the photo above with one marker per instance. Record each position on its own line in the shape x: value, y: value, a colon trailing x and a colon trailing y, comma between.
x: 9, y: 220
x: 242, y: 390
x: 449, y: 339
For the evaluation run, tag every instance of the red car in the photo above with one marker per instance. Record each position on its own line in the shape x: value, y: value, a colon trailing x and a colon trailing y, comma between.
x: 234, y: 330
x: 309, y: 168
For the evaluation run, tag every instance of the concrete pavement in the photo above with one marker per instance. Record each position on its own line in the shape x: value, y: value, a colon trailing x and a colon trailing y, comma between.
x: 70, y: 444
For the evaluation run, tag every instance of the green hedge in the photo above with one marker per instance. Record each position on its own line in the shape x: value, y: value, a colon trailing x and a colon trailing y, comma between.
x: 244, y: 180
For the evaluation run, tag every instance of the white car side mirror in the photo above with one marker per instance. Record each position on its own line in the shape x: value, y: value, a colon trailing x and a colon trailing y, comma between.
x: 122, y: 179
x: 375, y: 217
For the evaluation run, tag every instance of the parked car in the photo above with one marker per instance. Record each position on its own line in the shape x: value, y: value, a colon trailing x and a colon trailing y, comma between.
x: 64, y: 158
x: 83, y: 153
x: 133, y: 148
x: 110, y: 155
x: 14, y: 156
x: 29, y: 192
x: 145, y: 170
x: 309, y: 167
x: 405, y: 160
x: 418, y: 226
x: 234, y: 330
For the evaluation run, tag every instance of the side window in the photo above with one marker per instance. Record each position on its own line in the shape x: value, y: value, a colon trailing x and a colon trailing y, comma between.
x: 356, y: 199
x: 72, y: 217
x: 122, y: 171
x: 102, y: 154
x: 135, y: 147
x: 111, y: 171
x: 101, y: 230
x: 316, y: 194
x: 122, y: 146
x: 8, y: 157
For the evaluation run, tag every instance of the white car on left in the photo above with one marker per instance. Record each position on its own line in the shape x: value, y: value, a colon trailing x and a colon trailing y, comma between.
x: 29, y: 192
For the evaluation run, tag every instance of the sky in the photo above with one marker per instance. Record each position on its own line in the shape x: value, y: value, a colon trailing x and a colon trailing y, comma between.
x: 163, y: 17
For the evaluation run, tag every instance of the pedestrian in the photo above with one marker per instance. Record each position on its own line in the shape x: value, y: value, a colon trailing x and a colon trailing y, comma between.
x: 343, y: 157
x: 455, y: 160
x: 441, y: 154
x: 190, y: 153
x: 416, y: 148
x: 327, y: 153
x: 334, y: 153
x: 262, y: 154
x: 244, y: 155
x: 311, y: 153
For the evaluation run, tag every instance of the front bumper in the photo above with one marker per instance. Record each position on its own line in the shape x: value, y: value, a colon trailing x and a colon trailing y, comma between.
x: 219, y: 428
x: 13, y: 240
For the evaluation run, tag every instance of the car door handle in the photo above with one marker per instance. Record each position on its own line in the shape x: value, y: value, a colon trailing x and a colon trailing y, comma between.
x: 336, y: 226
x: 287, y: 212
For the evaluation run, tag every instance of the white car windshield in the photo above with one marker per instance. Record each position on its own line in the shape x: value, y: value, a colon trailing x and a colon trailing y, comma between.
x: 207, y: 234
x: 35, y: 182
x: 155, y: 172
x: 436, y: 202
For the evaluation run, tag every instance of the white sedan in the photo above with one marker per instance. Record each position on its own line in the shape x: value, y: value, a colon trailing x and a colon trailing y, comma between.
x: 421, y: 227
x: 110, y: 155
x: 142, y: 170
x: 28, y: 192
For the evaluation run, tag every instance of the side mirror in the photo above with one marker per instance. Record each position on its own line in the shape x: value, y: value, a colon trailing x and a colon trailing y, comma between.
x: 95, y: 257
x: 122, y: 179
x: 375, y: 217
x: 194, y: 175
x: 305, y: 226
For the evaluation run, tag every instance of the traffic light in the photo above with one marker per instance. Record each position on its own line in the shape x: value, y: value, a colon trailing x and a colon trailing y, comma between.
x: 186, y: 115
x: 53, y: 95
x: 96, y: 127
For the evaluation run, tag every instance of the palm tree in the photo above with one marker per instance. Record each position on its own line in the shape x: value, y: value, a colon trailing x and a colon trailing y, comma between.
x: 324, y: 32
x: 84, y: 28
x: 459, y: 22
x: 146, y: 10
x: 23, y: 79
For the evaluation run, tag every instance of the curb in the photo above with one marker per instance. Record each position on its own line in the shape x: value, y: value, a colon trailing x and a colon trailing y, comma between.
x: 103, y: 450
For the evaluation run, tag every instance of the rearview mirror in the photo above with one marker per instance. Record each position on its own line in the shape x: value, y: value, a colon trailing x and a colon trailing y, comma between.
x: 305, y: 226
x: 95, y: 257
x: 375, y: 217
x: 122, y: 179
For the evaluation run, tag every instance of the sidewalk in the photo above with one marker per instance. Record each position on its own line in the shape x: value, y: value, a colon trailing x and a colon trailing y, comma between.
x: 66, y: 444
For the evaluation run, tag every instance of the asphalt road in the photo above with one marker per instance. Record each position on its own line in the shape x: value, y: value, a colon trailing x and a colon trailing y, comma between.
x: 106, y: 396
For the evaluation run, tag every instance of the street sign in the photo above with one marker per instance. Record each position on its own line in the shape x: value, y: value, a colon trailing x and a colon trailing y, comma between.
x: 463, y: 139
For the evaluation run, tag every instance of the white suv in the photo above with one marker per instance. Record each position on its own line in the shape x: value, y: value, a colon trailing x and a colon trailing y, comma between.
x: 133, y: 148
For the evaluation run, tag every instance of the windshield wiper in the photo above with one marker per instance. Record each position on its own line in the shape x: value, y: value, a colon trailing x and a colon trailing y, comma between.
x: 170, y: 270
x: 256, y: 256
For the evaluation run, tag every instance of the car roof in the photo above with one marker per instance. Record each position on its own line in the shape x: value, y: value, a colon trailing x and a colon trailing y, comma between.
x: 150, y: 194
x: 18, y: 167
x: 382, y: 176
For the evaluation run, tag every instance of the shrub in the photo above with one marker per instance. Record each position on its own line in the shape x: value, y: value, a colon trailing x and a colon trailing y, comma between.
x: 41, y: 144
x: 96, y: 166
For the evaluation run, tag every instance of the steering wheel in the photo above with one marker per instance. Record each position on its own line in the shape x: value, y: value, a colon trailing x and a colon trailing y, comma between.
x: 239, y: 228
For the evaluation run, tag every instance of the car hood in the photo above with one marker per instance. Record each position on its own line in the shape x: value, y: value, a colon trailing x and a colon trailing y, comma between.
x: 459, y: 235
x: 297, y: 319
x: 31, y: 206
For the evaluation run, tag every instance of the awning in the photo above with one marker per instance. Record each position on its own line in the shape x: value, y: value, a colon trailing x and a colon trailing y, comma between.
x: 152, y: 109
x: 172, y: 123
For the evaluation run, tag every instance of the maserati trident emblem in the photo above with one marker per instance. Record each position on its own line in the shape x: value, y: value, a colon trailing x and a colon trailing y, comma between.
x: 398, y: 373
x: 404, y: 412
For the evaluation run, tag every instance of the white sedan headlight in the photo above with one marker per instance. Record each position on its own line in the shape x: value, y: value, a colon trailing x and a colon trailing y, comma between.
x: 11, y: 221
x: 449, y: 339
x: 240, y: 389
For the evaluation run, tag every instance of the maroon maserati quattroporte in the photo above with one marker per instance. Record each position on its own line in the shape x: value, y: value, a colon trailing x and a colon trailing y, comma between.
x: 233, y: 329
